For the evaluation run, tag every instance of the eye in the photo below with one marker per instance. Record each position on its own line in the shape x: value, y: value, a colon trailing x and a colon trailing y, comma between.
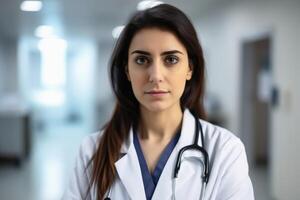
x: 171, y: 59
x: 141, y: 60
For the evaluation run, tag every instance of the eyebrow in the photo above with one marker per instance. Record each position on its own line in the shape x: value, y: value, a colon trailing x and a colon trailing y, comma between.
x: 163, y: 53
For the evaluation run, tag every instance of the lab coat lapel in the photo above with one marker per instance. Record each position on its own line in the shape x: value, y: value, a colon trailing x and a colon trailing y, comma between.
x: 164, y: 186
x: 129, y: 170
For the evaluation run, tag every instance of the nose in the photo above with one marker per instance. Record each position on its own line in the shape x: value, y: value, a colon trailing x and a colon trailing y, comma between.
x: 156, y: 72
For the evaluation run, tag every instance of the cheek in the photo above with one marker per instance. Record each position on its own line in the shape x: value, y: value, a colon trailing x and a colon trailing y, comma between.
x: 137, y: 82
x: 181, y: 85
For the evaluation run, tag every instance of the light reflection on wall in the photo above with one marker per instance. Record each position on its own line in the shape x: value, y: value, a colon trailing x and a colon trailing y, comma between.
x: 53, y: 53
x: 53, y: 72
x: 50, y: 97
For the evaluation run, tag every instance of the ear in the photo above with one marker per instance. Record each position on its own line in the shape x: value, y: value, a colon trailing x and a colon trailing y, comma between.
x: 127, y: 72
x: 190, y: 72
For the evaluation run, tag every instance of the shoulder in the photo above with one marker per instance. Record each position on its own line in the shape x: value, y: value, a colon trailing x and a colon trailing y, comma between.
x: 81, y: 175
x: 89, y: 146
x: 229, y: 170
x: 217, y: 138
x: 223, y: 147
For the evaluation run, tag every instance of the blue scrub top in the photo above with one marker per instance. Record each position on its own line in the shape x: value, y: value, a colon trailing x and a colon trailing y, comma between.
x: 150, y: 180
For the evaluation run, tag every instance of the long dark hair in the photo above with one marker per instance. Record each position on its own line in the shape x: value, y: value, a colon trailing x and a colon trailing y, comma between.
x: 126, y: 111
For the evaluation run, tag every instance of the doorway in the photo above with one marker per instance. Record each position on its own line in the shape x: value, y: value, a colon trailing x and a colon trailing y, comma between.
x: 256, y: 97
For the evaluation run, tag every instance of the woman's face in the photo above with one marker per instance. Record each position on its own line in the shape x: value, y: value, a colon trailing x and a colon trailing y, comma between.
x: 158, y: 69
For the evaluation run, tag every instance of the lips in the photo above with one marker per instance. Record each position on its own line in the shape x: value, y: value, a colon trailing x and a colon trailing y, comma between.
x: 157, y: 92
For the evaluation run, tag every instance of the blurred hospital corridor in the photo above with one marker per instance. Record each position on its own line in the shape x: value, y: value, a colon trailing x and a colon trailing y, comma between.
x: 55, y: 88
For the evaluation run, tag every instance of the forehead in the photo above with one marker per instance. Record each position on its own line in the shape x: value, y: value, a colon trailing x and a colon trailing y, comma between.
x: 155, y: 39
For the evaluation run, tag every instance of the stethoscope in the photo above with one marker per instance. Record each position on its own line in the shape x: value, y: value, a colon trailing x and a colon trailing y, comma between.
x: 192, y: 147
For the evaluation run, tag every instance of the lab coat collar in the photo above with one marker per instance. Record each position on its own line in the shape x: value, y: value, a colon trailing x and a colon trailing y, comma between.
x: 187, y: 130
x: 129, y: 170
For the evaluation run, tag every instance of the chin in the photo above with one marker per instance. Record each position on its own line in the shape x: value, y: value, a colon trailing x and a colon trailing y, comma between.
x: 157, y: 106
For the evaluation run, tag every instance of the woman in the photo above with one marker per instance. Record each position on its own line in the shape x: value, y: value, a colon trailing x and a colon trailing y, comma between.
x: 157, y: 75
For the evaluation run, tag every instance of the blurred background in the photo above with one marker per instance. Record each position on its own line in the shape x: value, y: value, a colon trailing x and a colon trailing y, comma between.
x: 54, y: 85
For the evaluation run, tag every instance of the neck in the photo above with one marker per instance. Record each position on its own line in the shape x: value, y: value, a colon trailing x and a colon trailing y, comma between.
x: 160, y: 125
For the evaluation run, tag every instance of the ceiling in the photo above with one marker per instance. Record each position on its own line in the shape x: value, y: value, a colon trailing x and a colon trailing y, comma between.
x: 77, y: 18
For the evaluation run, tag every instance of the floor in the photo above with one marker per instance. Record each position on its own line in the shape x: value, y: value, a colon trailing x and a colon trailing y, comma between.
x: 260, y: 180
x: 45, y: 174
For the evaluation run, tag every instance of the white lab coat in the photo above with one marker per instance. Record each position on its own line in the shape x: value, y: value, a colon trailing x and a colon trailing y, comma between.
x: 229, y: 179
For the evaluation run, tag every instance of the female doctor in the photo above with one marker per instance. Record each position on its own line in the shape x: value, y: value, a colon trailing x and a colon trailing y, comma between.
x: 157, y: 144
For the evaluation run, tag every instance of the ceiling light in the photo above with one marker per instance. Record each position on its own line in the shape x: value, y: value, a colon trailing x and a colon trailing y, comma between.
x: 117, y: 31
x: 31, y: 6
x: 143, y: 5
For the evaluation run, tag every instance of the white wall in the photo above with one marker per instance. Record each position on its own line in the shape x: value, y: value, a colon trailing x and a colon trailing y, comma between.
x: 8, y: 66
x: 222, y: 31
x: 24, y: 68
x: 81, y: 79
x: 104, y: 95
x: 2, y: 65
